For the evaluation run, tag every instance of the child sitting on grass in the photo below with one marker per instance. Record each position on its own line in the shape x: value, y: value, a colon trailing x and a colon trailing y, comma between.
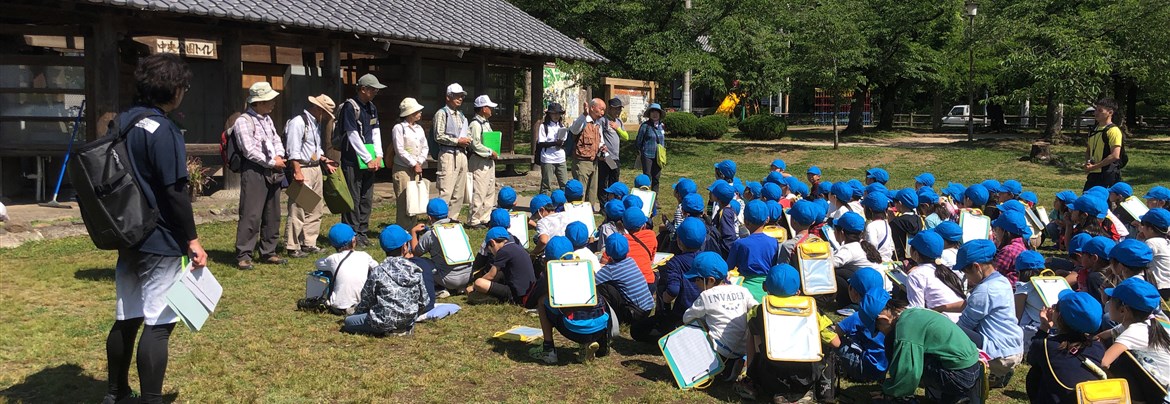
x: 587, y: 326
x: 722, y: 307
x: 863, y: 348
x: 1057, y: 358
x: 1133, y: 304
x: 675, y: 294
x: 394, y: 294
x: 511, y: 276
x: 755, y: 254
x: 349, y: 269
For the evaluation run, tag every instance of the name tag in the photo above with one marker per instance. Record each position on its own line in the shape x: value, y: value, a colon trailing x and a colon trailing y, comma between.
x: 373, y: 121
x: 149, y: 124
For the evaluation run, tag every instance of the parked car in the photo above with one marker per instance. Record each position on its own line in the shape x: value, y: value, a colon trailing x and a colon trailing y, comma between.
x: 1086, y: 120
x: 959, y: 115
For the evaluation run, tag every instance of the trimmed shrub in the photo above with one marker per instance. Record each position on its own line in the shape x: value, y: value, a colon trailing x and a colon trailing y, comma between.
x: 712, y: 127
x: 683, y: 124
x: 763, y: 127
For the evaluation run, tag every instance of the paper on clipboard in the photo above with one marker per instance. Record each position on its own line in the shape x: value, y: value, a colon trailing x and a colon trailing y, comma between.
x: 454, y: 243
x: 1135, y: 207
x: 571, y: 284
x: 305, y: 197
x: 975, y: 227
x: 1049, y: 288
x: 830, y: 236
x: 518, y: 226
x: 1043, y: 213
x: 194, y: 296
x: 1034, y: 222
x: 581, y: 212
x: 648, y: 198
x: 660, y: 259
x: 689, y: 355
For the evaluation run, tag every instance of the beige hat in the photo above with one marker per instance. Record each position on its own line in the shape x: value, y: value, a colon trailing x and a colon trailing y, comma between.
x: 261, y: 91
x: 408, y: 106
x: 325, y: 103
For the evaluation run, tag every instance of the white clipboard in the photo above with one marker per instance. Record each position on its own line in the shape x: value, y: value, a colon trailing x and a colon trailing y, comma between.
x: 571, y: 283
x: 1135, y: 207
x: 660, y: 259
x: 194, y: 296
x: 831, y: 236
x: 518, y: 226
x: 1034, y: 222
x: 581, y: 212
x: 975, y: 227
x: 648, y: 198
x: 817, y: 276
x: 1049, y: 288
x: 417, y: 194
x: 689, y: 355
x: 454, y: 243
x: 1043, y: 213
x: 792, y: 329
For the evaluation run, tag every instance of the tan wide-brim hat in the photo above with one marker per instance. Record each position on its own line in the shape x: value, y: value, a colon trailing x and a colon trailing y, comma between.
x: 325, y: 103
x: 408, y: 107
x: 261, y: 91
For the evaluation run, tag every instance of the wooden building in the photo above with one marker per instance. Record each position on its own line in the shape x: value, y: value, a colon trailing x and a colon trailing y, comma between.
x: 54, y: 55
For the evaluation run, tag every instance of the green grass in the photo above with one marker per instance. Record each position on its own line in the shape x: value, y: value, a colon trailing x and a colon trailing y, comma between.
x: 58, y: 306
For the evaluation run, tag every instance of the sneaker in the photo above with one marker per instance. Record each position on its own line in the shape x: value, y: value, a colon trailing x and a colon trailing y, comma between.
x: 244, y: 265
x: 129, y: 398
x: 588, y: 352
x: 403, y: 333
x: 808, y: 398
x: 298, y: 254
x: 442, y: 294
x: 548, y: 357
x: 274, y: 260
x: 532, y: 312
x: 1001, y: 382
x: 846, y: 312
x: 311, y: 249
x: 745, y: 390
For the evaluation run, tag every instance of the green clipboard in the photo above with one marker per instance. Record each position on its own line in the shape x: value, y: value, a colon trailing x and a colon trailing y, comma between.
x: 571, y: 283
x: 454, y: 243
x: 689, y: 355
x: 492, y: 140
x: 373, y: 152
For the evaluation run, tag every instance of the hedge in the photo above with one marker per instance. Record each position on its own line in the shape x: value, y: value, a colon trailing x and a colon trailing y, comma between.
x: 712, y: 127
x: 763, y: 127
x: 684, y: 124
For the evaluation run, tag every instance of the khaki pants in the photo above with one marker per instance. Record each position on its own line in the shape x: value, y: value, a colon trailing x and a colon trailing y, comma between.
x: 586, y: 172
x: 999, y: 367
x: 304, y: 225
x: 483, y: 197
x: 402, y: 176
x: 452, y: 181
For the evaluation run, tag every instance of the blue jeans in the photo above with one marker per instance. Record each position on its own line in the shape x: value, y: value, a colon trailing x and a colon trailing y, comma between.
x: 359, y: 324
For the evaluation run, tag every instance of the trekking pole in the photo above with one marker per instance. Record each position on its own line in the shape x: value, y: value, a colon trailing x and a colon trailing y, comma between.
x: 69, y: 150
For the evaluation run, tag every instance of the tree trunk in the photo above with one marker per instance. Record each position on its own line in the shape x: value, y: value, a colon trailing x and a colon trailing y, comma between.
x: 836, y: 110
x: 1131, y: 105
x: 1121, y: 96
x: 1055, y: 115
x: 525, y: 111
x: 856, y: 109
x: 936, y: 109
x: 886, y: 105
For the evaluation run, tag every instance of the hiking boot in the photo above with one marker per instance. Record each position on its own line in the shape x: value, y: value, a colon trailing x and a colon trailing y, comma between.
x: 274, y: 260
x: 588, y: 352
x: 311, y: 249
x: 548, y: 357
x: 745, y: 391
x: 297, y: 254
x: 442, y: 294
x: 244, y: 265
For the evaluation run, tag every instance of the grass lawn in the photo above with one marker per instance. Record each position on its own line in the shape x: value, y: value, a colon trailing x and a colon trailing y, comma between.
x: 58, y: 305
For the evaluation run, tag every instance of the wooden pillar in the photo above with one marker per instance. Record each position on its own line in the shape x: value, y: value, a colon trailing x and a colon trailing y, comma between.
x: 101, y: 74
x: 414, y: 73
x: 536, y: 98
x: 480, y: 76
x: 333, y: 73
x: 233, y: 95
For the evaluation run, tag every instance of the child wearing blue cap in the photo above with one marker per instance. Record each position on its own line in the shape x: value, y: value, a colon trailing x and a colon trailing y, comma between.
x: 926, y: 349
x: 348, y: 268
x: 813, y: 175
x: 449, y: 278
x: 1155, y: 230
x: 511, y: 275
x: 755, y: 254
x: 588, y: 326
x: 1010, y: 231
x: 1157, y: 197
x: 990, y: 313
x: 792, y: 381
x: 1090, y: 214
x: 877, y: 230
x: 1134, y: 305
x: 721, y: 306
x: 642, y: 242
x: 506, y: 198
x: 1094, y: 259
x: 853, y: 254
x: 1059, y: 226
x: 498, y: 218
x: 613, y: 212
x: 931, y: 285
x: 1063, y: 341
x: 1129, y: 259
x: 906, y: 222
x: 724, y: 223
x: 674, y: 292
x: 549, y: 222
x: 931, y: 208
x: 1029, y: 304
x: 863, y: 348
x: 394, y: 294
x: 803, y: 215
x: 622, y: 284
x: 924, y: 180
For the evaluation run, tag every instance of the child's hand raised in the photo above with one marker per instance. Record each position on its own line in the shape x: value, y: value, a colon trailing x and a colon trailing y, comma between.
x: 1047, y: 318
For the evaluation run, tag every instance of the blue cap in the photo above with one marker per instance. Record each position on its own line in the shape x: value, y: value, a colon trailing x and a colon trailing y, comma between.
x: 558, y: 197
x: 1132, y: 253
x: 1122, y: 189
x: 614, y: 209
x: 1100, y: 246
x: 1098, y: 191
x: 858, y: 187
x: 1030, y: 197
x: 798, y: 188
x: 737, y: 184
x: 684, y: 187
x: 558, y: 246
x: 875, y: 187
x: 693, y: 204
x: 878, y: 174
x: 632, y: 202
x: 340, y: 235
x: 871, y: 306
x: 1157, y: 218
x: 1137, y: 294
x: 825, y: 188
x: 814, y: 170
x: 778, y: 163
x: 620, y: 190
x: 574, y: 190
x: 974, y: 252
x: 950, y: 231
x: 907, y: 197
x: 437, y: 208
x: 723, y: 192
x: 954, y: 190
x: 876, y: 202
x: 498, y: 233
x: 393, y: 237
x: 1012, y: 222
x: 804, y: 212
x: 843, y: 191
x: 774, y: 177
x: 1029, y: 260
x: 538, y: 202
x: 850, y: 223
x: 991, y: 185
x: 707, y: 264
x: 1092, y: 206
x: 775, y: 210
x: 927, y: 196
x: 735, y: 206
x: 726, y: 169
x: 506, y: 198
x: 1080, y: 311
x: 692, y: 232
x: 1159, y: 193
x: 577, y: 233
x: 633, y: 219
x: 756, y: 188
x: 1012, y: 205
x: 1076, y: 244
x: 978, y: 194
x: 1012, y: 187
x: 770, y: 192
x: 866, y: 280
x: 617, y: 247
x: 756, y: 212
x: 500, y: 218
x: 1067, y: 197
x: 926, y: 179
x: 642, y: 180
x: 782, y: 280
x: 928, y: 243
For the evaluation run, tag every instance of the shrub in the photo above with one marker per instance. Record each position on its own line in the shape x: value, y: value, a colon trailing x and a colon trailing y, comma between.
x: 712, y: 127
x: 683, y: 124
x: 763, y: 127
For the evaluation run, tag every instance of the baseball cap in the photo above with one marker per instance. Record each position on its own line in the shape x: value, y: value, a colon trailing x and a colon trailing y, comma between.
x: 574, y: 190
x: 1122, y: 189
x: 506, y: 198
x: 1137, y: 294
x: 876, y: 202
x: 950, y: 231
x: 1098, y: 191
x: 907, y: 197
x: 437, y: 208
x: 814, y: 170
x: 978, y: 194
x: 618, y: 189
x: 774, y: 177
x: 725, y: 168
x: 775, y: 210
x: 926, y: 195
x: 539, y: 201
x: 974, y: 251
x: 615, y: 102
x: 558, y: 197
x: 558, y: 246
x: 850, y: 223
x: 803, y: 212
x: 782, y: 280
x: 455, y: 88
x: 723, y: 192
x: 369, y: 80
x: 632, y: 202
x: 498, y: 233
x: 1012, y: 187
x: 737, y: 184
x: 771, y: 191
x: 1092, y: 206
x: 617, y: 247
x: 684, y: 186
x: 1012, y: 205
x: 577, y: 233
x: 954, y: 190
x: 340, y: 235
x: 843, y: 191
x: 484, y: 101
x: 928, y: 243
x: 642, y: 180
x: 992, y: 185
x: 1157, y: 218
x: 778, y: 163
x: 633, y: 219
x: 1029, y: 260
x: 707, y: 264
x: 878, y: 174
x: 756, y: 212
x: 799, y: 188
x: 1012, y: 222
x: 1067, y: 197
x: 1076, y: 244
x: 1100, y: 246
x: 1159, y: 193
x: 500, y: 218
x: 393, y: 237
x: 825, y: 188
x: 1132, y: 253
x: 866, y: 280
x: 614, y: 209
x: 756, y: 188
x: 872, y: 304
x: 926, y: 179
x: 1029, y: 197
x: 693, y: 204
x: 692, y: 232
x: 1080, y: 311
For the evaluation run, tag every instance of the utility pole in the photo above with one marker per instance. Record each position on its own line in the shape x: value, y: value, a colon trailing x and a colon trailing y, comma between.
x: 972, y: 10
x: 686, y: 92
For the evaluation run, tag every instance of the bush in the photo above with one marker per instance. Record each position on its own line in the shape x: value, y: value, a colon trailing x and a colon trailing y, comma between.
x: 683, y: 124
x: 712, y: 127
x: 763, y: 127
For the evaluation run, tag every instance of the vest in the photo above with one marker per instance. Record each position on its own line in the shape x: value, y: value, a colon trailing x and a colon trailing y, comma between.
x: 588, y: 141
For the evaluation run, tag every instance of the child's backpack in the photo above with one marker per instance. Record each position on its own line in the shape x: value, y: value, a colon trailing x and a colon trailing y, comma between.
x: 339, y: 139
x: 116, y: 212
x: 1108, y: 391
x: 792, y: 329
x: 319, y: 287
x: 815, y: 262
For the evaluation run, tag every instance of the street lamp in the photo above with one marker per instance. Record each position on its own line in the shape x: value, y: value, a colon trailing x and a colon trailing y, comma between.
x: 972, y: 9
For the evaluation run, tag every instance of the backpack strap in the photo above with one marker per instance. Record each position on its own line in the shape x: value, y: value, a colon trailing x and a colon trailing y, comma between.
x: 636, y: 240
x: 125, y: 131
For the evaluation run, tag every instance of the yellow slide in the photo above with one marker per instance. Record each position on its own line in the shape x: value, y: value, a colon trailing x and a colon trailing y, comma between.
x: 727, y: 107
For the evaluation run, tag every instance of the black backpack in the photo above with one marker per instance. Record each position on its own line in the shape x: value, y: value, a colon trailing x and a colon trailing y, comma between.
x: 1123, y: 160
x: 339, y: 140
x: 116, y: 212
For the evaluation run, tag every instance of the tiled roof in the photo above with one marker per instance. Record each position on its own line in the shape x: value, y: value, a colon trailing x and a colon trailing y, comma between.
x: 485, y: 24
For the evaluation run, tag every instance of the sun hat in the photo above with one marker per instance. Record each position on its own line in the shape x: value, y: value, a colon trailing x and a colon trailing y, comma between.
x: 484, y: 101
x: 369, y: 80
x: 261, y: 91
x: 555, y: 108
x: 652, y: 107
x: 325, y: 103
x: 408, y: 106
x: 872, y: 304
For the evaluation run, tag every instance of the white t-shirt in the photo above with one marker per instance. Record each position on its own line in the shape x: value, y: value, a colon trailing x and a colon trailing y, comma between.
x: 925, y: 290
x: 548, y: 134
x: 724, y: 309
x: 852, y: 256
x: 1160, y: 267
x: 877, y: 233
x: 1156, y: 361
x: 348, y: 282
x: 553, y: 225
x: 584, y: 253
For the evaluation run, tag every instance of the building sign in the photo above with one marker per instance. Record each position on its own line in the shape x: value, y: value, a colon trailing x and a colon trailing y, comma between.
x: 185, y: 47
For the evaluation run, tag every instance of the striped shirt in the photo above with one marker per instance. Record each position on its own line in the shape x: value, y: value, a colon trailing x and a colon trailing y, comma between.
x: 629, y: 280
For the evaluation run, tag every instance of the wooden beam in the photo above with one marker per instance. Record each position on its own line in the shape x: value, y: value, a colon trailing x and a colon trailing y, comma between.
x: 101, y: 73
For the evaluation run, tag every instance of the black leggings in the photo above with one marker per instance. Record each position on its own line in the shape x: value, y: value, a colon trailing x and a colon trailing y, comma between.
x: 152, y: 358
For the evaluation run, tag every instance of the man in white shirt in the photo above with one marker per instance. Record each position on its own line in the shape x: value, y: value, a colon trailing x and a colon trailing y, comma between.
x: 306, y: 157
x: 261, y: 173
x: 349, y: 269
x: 453, y: 138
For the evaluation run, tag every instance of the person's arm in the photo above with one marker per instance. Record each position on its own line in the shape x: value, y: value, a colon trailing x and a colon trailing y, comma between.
x: 978, y: 308
x: 1112, y: 354
x: 695, y: 312
x: 351, y: 124
x: 441, y: 136
x: 477, y: 145
x: 175, y: 201
x: 916, y: 291
x: 672, y: 283
x: 578, y: 125
x: 295, y: 133
x: 906, y: 363
x: 376, y: 132
x: 617, y: 127
x: 424, y: 150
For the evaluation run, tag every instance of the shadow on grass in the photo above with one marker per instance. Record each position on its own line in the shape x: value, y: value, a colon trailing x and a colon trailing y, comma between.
x: 649, y: 370
x: 518, y: 351
x: 858, y: 393
x: 66, y: 383
x: 95, y: 274
x: 1015, y: 395
x: 222, y: 257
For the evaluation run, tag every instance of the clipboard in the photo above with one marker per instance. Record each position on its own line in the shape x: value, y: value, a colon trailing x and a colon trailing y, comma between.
x: 896, y: 272
x: 1043, y: 213
x: 571, y: 283
x: 975, y: 227
x: 454, y: 243
x: 373, y: 152
x: 776, y: 232
x: 491, y: 140
x: 518, y: 226
x: 1034, y: 222
x: 306, y: 198
x: 831, y: 236
x: 520, y: 333
x: 1135, y: 207
x: 581, y: 212
x: 194, y: 296
x: 815, y: 259
x: 648, y: 198
x: 1049, y: 287
x: 660, y: 259
x: 792, y: 329
x: 689, y: 355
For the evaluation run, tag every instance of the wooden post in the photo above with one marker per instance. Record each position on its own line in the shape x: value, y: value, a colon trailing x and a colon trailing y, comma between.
x: 525, y: 111
x: 332, y: 74
x: 233, y: 67
x: 536, y: 97
x: 102, y: 74
x: 414, y: 74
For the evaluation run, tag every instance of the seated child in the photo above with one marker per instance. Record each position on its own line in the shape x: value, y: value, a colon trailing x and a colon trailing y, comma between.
x: 578, y: 234
x: 795, y: 381
x: 878, y: 231
x: 952, y: 236
x: 511, y: 276
x: 483, y: 258
x: 1155, y: 230
x: 549, y: 222
x: 725, y: 224
x: 394, y: 295
x: 926, y: 349
x: 855, y: 253
x: 989, y: 313
x: 905, y: 223
x: 674, y: 293
x: 755, y: 254
x: 559, y: 199
x: 1057, y: 360
x: 1029, y: 304
x: 1094, y: 260
x: 930, y: 285
x: 863, y: 348
x: 721, y: 306
x: 622, y: 284
x: 1157, y: 197
x: 1118, y: 193
x: 1133, y: 305
x: 587, y: 326
x: 349, y: 268
x: 803, y: 214
x: 642, y: 242
x: 449, y: 278
x: 1011, y: 232
x: 1129, y: 259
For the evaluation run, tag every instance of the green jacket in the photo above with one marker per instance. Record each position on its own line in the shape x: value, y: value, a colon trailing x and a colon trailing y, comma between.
x: 919, y: 333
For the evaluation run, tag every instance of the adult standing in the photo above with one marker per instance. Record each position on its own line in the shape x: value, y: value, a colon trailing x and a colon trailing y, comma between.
x: 358, y: 119
x: 482, y: 164
x: 1103, y: 149
x: 260, y: 178
x: 144, y: 273
x: 452, y: 136
x: 651, y: 135
x: 550, y: 149
x: 586, y: 131
x: 612, y: 135
x: 410, y: 153
x: 306, y: 157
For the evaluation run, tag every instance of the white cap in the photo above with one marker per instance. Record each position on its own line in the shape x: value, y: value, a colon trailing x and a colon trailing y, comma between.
x: 455, y: 88
x: 484, y: 101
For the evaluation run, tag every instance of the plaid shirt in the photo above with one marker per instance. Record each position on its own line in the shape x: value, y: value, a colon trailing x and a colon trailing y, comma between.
x: 394, y: 295
x: 1005, y: 260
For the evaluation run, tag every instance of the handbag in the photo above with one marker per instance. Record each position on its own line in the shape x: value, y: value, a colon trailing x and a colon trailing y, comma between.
x: 320, y: 303
x: 416, y: 197
x: 662, y: 155
x: 335, y: 192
